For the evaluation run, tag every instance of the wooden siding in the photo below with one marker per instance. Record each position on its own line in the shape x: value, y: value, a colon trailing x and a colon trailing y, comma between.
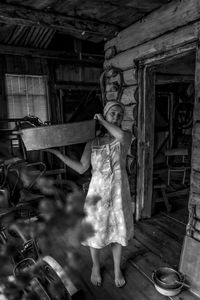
x: 77, y: 73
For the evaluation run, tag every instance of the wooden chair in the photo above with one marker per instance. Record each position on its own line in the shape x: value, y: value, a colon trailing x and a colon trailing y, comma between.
x: 159, y: 193
x: 177, y: 161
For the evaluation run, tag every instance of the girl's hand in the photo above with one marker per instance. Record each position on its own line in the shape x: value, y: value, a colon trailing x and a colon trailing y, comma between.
x: 98, y: 117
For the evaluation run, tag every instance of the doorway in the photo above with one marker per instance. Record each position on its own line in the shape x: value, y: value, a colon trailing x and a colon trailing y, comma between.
x: 174, y: 101
x: 166, y: 100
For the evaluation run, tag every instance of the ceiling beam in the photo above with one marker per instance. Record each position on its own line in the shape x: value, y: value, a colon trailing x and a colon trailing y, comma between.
x: 70, y: 85
x: 81, y: 28
x: 71, y: 58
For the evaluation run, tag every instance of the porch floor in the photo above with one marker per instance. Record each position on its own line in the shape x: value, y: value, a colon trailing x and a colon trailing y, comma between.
x: 157, y: 242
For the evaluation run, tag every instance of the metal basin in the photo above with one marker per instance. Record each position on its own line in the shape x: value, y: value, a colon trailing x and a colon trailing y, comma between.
x: 168, y: 278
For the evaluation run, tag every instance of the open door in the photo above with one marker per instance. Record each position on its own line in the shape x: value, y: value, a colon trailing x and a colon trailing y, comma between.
x: 146, y: 118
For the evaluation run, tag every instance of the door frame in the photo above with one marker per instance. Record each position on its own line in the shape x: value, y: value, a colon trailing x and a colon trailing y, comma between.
x: 146, y: 113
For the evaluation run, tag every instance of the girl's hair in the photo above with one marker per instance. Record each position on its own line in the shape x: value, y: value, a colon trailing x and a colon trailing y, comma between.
x: 110, y: 104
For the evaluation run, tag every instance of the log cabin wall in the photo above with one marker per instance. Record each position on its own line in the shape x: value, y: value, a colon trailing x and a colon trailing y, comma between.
x: 159, y: 34
x: 122, y: 86
x: 167, y: 32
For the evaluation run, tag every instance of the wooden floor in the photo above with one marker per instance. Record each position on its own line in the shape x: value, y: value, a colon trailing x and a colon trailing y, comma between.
x: 157, y: 242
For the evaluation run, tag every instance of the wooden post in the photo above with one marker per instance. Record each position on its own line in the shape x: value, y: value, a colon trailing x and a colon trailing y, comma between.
x: 146, y: 117
x: 190, y: 257
x: 149, y: 120
x: 140, y: 146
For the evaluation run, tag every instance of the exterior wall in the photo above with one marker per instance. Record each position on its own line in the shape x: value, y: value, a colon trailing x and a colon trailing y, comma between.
x: 149, y: 38
x: 164, y: 33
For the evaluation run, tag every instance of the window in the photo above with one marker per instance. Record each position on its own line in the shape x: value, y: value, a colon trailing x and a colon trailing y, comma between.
x: 27, y: 95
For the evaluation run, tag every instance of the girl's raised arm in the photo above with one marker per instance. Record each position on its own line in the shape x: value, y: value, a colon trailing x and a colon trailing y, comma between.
x: 123, y: 136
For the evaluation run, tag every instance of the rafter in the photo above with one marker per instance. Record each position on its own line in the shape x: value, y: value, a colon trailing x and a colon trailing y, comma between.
x: 71, y: 58
x: 82, y: 28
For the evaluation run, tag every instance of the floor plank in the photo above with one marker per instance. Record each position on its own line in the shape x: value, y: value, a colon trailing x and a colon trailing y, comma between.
x: 158, y: 242
x: 170, y: 227
x: 149, y: 262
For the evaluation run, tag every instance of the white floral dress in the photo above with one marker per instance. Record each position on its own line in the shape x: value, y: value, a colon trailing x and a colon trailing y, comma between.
x: 111, y: 216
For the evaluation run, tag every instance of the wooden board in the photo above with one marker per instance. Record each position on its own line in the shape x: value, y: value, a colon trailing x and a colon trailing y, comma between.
x: 190, y: 263
x: 58, y: 135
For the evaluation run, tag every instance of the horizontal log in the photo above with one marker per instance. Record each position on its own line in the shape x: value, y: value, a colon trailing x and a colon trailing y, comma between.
x: 194, y: 198
x: 45, y: 137
x: 167, y: 17
x: 196, y: 224
x: 84, y: 86
x: 173, y: 78
x: 196, y: 236
x: 129, y: 77
x: 195, y: 181
x: 196, y: 114
x: 180, y: 51
x: 128, y: 113
x: 167, y: 42
x: 197, y: 212
x: 81, y: 28
x: 128, y: 95
x: 195, y: 162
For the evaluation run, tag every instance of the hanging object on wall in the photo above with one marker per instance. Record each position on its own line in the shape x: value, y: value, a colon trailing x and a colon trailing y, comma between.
x: 183, y: 115
x: 111, y: 83
x: 110, y: 52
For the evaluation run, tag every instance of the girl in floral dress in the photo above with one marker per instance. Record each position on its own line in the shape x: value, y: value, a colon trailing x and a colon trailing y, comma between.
x: 111, y: 217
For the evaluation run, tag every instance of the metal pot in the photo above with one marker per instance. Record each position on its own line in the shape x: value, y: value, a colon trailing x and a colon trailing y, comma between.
x: 167, y: 292
x: 168, y: 278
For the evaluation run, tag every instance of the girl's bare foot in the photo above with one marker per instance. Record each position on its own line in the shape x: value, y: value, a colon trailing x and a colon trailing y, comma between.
x: 96, y: 276
x: 119, y: 279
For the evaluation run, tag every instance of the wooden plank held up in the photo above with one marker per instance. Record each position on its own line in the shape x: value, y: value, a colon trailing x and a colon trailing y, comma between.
x: 45, y: 137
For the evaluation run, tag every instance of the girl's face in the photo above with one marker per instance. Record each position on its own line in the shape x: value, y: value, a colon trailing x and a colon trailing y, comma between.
x: 115, y: 115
